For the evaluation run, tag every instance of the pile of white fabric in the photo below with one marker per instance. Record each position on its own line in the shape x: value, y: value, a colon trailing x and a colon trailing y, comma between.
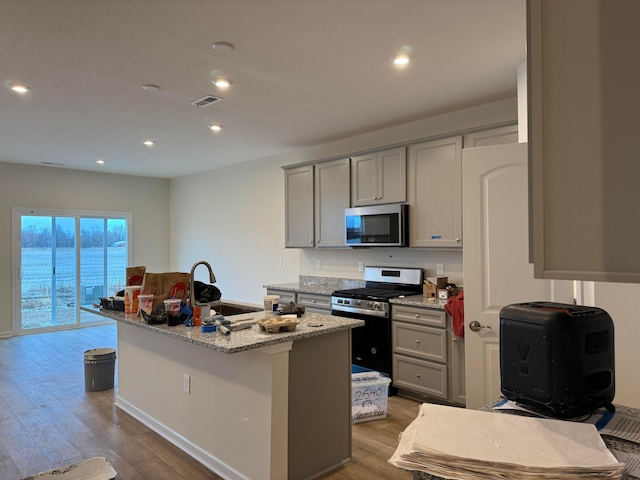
x: 465, y: 444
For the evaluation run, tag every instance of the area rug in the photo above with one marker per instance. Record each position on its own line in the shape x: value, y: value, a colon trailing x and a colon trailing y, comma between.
x: 97, y: 468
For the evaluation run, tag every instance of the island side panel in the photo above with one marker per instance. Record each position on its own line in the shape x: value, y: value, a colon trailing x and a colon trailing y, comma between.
x: 319, y: 404
x: 230, y: 404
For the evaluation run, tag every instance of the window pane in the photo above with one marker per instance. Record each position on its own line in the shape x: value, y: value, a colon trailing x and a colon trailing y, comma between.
x: 64, y: 257
x: 116, y: 255
x: 92, y: 260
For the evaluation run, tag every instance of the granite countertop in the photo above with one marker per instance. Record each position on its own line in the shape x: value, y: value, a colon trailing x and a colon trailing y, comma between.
x: 241, y: 340
x: 419, y: 301
x: 327, y: 285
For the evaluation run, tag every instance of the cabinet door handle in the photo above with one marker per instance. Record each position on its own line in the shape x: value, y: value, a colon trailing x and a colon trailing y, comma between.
x: 418, y: 342
x: 417, y: 316
x: 313, y: 301
x: 417, y: 375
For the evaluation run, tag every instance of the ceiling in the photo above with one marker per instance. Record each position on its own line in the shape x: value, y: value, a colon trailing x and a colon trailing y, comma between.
x: 304, y: 72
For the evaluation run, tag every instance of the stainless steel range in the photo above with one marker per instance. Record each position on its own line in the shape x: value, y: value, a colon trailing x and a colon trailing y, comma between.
x: 371, y: 346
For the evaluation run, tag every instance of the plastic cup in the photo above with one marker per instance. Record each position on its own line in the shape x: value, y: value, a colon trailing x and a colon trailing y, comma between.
x: 200, y: 312
x: 145, y: 302
x: 131, y: 294
x: 172, y: 307
x: 271, y: 303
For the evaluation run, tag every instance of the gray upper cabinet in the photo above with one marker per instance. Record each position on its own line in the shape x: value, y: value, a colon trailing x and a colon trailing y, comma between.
x: 492, y: 136
x: 315, y: 199
x: 331, y: 198
x: 298, y: 199
x: 584, y: 118
x: 435, y: 193
x: 379, y: 177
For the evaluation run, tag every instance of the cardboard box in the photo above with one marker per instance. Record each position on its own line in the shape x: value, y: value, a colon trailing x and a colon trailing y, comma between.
x: 430, y: 289
x: 369, y: 395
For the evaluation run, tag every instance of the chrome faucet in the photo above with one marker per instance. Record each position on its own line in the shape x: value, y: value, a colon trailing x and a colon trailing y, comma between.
x: 192, y: 292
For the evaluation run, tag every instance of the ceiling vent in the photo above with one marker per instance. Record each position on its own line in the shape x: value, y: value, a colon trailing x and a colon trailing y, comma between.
x: 206, y: 101
x: 53, y: 164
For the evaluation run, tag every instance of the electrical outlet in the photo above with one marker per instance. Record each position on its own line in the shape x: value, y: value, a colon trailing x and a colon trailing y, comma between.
x: 279, y: 263
x: 361, y: 266
x: 318, y: 264
x: 187, y: 383
x: 440, y: 268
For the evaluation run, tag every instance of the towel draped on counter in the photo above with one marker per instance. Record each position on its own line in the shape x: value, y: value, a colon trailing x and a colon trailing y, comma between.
x: 455, y: 308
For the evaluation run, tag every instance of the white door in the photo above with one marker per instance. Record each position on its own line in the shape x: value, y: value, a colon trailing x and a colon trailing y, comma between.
x: 496, y: 258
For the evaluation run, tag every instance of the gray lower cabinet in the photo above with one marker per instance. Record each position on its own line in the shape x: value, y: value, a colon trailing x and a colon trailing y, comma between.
x: 286, y: 296
x: 457, y: 377
x: 313, y: 302
x: 426, y: 357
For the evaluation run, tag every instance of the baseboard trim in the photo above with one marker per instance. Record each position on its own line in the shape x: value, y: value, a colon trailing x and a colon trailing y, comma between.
x: 191, y: 449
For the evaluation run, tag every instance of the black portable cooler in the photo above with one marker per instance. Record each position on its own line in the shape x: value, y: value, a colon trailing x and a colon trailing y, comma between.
x: 557, y: 358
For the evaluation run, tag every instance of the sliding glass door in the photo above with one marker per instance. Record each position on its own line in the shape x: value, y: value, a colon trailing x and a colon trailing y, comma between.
x: 48, y: 265
x: 64, y: 260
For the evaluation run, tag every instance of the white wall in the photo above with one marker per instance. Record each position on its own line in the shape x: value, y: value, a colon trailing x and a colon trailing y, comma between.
x: 233, y: 217
x: 57, y: 188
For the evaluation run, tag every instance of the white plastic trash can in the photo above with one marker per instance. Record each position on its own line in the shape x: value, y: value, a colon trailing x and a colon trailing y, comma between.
x: 99, y: 369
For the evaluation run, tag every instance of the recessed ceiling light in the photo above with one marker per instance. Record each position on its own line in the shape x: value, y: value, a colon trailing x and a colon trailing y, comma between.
x: 19, y: 87
x: 401, y: 59
x: 215, y: 127
x: 101, y: 162
x: 150, y: 88
x: 149, y: 143
x: 223, y: 46
x: 222, y: 82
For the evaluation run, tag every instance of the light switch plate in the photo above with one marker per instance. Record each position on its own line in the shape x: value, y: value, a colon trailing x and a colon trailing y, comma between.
x: 440, y: 269
x: 361, y: 266
x: 318, y: 264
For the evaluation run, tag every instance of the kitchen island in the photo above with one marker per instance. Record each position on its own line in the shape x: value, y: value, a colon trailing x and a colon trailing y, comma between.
x: 251, y: 405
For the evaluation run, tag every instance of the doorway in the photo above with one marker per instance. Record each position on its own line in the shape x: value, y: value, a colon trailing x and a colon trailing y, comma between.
x: 64, y: 260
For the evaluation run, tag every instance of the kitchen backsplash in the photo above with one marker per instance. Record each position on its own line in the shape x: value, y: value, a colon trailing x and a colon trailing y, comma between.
x: 344, y: 263
x: 335, y: 283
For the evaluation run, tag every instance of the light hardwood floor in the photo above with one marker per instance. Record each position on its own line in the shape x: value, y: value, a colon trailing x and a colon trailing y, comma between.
x: 47, y: 420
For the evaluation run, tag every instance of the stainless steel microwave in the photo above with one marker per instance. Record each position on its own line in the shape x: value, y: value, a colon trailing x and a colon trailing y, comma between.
x: 377, y: 226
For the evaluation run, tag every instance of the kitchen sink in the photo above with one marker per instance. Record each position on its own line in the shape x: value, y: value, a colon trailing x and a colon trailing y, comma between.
x: 226, y: 309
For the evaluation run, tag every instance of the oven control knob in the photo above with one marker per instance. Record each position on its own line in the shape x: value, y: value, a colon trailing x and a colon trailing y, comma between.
x: 377, y: 306
x: 357, y: 303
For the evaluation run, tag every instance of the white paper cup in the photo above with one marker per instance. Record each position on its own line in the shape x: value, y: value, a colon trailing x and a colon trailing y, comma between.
x: 131, y: 294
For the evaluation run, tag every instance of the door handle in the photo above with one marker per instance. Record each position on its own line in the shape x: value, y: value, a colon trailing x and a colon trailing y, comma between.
x: 476, y: 327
